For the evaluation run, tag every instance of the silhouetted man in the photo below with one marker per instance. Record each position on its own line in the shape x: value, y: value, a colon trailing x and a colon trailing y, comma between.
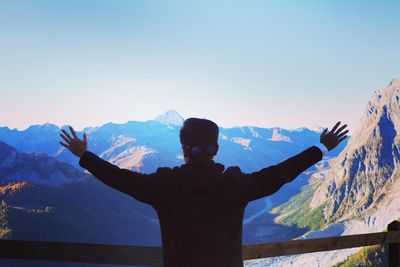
x: 200, y: 204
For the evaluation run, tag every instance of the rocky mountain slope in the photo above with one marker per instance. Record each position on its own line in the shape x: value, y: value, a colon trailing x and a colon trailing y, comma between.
x: 37, y: 168
x: 363, y: 177
x: 358, y: 192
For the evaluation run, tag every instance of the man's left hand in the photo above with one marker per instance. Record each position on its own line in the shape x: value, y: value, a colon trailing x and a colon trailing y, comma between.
x: 333, y: 138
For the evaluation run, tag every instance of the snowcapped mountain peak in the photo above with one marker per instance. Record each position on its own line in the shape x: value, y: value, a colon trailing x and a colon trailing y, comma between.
x: 171, y: 117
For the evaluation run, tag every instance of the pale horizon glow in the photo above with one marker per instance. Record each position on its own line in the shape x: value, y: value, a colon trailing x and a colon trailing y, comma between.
x: 81, y: 127
x: 239, y: 63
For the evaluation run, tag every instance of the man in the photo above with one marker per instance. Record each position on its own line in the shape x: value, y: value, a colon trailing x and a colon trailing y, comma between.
x: 200, y: 204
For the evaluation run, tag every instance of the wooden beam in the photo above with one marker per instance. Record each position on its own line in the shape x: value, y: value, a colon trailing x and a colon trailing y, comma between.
x: 81, y: 252
x: 293, y: 247
x: 152, y: 256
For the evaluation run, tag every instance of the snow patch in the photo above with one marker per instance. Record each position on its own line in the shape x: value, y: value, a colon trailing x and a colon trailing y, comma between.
x: 242, y: 141
x: 223, y: 137
x: 277, y: 136
x: 254, y: 133
x: 131, y: 158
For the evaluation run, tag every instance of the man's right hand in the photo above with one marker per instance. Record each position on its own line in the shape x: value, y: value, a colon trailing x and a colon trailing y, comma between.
x: 73, y: 143
x: 333, y: 138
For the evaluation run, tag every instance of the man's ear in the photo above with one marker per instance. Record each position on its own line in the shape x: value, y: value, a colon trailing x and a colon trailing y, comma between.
x: 185, y: 155
x: 186, y: 159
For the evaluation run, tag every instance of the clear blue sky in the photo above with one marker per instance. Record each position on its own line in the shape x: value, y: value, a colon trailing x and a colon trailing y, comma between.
x: 264, y: 63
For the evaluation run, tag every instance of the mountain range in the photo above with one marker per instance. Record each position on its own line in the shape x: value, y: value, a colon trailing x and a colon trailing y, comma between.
x: 46, y: 190
x: 352, y: 190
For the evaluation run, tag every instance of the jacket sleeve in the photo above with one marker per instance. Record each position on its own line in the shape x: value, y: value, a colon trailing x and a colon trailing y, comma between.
x: 143, y: 187
x: 269, y: 180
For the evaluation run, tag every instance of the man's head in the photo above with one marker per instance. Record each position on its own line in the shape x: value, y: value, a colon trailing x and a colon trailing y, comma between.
x: 199, y: 139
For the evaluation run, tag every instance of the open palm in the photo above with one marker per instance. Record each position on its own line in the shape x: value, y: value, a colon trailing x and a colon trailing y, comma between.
x: 333, y: 137
x: 74, y: 144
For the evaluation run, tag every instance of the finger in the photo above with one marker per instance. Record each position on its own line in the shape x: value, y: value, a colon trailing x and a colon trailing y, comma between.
x: 342, y: 134
x: 67, y: 135
x: 64, y: 144
x: 84, y: 137
x: 340, y: 129
x: 335, y: 127
x: 66, y: 139
x: 324, y: 132
x: 73, y: 132
x: 342, y: 138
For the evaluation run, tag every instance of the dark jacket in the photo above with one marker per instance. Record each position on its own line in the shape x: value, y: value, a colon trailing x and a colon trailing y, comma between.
x: 200, y: 207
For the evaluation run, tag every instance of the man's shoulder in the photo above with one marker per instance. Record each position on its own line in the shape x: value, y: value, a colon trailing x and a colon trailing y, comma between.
x: 169, y: 171
x: 233, y: 170
x: 177, y: 168
x: 166, y: 170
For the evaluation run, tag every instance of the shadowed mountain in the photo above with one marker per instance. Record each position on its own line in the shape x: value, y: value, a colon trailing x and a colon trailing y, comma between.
x: 36, y: 168
x: 52, y: 201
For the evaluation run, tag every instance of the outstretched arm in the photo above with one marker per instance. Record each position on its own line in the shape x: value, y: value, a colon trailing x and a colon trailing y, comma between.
x: 269, y: 180
x: 138, y: 185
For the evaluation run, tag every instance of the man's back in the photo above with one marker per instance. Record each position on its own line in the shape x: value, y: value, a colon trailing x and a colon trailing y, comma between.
x: 201, y: 216
x: 200, y: 206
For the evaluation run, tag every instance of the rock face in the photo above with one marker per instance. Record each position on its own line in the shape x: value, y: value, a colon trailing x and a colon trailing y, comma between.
x: 37, y: 168
x: 278, y: 136
x: 363, y: 176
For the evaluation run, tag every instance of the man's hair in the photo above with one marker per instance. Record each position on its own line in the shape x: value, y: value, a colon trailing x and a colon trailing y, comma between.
x: 200, y: 134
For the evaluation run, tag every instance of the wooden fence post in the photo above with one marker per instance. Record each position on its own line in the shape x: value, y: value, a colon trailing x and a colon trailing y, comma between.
x: 394, y: 248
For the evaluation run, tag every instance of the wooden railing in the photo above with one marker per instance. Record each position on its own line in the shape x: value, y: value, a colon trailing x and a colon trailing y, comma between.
x: 152, y: 256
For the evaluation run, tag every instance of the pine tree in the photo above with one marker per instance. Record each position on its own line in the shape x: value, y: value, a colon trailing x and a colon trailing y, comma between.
x: 5, y: 231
